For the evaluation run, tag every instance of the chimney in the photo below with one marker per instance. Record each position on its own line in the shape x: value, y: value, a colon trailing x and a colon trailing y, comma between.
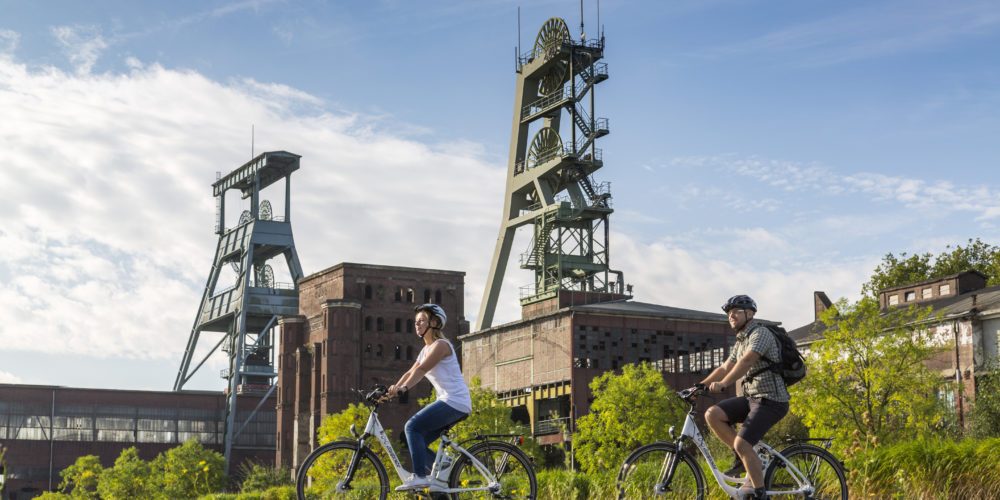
x: 820, y: 303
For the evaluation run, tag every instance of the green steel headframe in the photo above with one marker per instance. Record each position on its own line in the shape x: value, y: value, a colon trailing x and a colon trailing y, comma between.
x: 246, y: 313
x: 550, y: 181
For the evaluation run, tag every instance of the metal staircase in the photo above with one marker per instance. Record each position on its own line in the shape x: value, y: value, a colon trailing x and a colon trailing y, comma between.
x: 549, y: 180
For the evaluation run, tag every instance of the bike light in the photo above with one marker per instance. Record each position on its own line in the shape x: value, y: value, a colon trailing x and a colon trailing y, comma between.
x: 520, y: 440
x: 670, y: 431
x: 354, y: 431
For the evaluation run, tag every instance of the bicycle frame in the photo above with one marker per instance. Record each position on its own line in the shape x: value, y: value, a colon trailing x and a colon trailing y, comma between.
x: 690, y: 431
x: 374, y: 428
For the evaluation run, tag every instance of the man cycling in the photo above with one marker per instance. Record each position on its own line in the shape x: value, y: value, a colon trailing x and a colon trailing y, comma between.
x: 765, y: 397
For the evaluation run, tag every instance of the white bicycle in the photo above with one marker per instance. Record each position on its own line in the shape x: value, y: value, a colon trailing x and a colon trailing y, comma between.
x: 667, y: 470
x: 350, y: 469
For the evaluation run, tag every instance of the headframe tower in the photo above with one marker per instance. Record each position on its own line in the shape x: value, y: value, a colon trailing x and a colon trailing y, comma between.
x: 550, y: 181
x: 246, y: 313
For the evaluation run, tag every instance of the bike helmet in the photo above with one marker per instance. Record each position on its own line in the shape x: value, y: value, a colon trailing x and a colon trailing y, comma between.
x: 740, y: 302
x: 434, y: 310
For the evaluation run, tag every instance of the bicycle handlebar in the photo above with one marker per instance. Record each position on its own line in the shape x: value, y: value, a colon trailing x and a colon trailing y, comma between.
x: 692, y: 393
x: 371, y: 397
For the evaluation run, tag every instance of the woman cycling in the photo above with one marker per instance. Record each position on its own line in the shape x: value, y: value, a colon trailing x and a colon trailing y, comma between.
x: 438, y: 362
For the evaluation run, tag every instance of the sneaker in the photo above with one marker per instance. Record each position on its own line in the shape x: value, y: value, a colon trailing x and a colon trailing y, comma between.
x: 414, y: 482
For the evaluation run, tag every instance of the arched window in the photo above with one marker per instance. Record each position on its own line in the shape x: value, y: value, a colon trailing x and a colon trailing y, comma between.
x: 409, y: 326
x: 399, y: 325
x: 368, y: 291
x: 368, y: 323
x: 409, y: 295
x: 398, y: 297
x: 427, y: 295
x: 437, y: 297
x: 409, y: 352
x: 378, y: 350
x: 368, y: 350
x: 398, y: 352
x: 380, y: 324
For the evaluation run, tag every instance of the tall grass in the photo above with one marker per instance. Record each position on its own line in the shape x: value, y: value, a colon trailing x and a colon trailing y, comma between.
x: 928, y: 469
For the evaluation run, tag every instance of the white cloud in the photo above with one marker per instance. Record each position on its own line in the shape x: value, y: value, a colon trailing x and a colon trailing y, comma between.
x: 9, y: 378
x: 668, y: 274
x: 81, y: 44
x: 940, y: 196
x: 109, y: 213
x: 8, y: 41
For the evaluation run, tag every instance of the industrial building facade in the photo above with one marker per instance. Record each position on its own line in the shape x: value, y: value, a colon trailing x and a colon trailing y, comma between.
x: 542, y: 365
x: 46, y: 428
x: 355, y: 328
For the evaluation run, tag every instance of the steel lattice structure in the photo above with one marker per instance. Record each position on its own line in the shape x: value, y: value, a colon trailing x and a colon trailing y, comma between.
x: 550, y: 181
x: 246, y: 314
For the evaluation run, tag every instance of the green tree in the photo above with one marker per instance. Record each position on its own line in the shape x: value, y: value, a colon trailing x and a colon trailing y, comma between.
x: 489, y: 416
x: 188, y: 471
x: 896, y: 271
x: 128, y: 478
x: 867, y: 381
x: 629, y: 410
x: 80, y: 479
x: 337, y: 427
x: 984, y: 418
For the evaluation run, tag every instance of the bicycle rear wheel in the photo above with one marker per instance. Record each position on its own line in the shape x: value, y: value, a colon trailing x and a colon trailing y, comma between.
x: 327, y: 473
x: 510, y: 466
x: 821, y: 468
x: 660, y: 471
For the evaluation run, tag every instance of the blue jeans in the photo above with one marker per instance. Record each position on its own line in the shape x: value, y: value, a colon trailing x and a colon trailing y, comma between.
x: 423, y: 428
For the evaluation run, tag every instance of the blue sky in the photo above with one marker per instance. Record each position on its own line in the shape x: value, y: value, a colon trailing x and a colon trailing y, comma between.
x: 763, y: 147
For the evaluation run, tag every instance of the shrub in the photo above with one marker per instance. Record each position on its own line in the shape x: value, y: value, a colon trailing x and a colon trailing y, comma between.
x: 188, y: 471
x: 128, y: 478
x: 80, y: 479
x: 258, y: 477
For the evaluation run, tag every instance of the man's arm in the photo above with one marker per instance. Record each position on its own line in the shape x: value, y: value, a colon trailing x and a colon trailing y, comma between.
x: 719, y: 373
x: 739, y: 370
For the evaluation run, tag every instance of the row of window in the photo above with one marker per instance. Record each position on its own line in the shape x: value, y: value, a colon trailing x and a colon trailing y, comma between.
x: 697, y: 362
x: 378, y: 324
x: 925, y: 294
x: 405, y: 295
x: 377, y: 351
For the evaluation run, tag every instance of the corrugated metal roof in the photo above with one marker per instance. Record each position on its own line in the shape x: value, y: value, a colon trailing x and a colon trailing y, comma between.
x: 646, y: 309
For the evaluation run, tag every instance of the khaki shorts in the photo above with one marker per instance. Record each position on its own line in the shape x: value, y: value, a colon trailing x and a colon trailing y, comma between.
x: 756, y: 415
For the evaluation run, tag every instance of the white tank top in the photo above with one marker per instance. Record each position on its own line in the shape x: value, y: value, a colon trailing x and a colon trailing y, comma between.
x: 446, y: 377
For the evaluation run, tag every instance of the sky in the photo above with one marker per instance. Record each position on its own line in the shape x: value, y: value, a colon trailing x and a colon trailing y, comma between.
x: 773, y: 148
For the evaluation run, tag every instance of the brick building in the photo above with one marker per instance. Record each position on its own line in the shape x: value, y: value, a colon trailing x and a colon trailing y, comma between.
x: 968, y: 324
x: 46, y: 428
x: 542, y: 365
x: 355, y: 328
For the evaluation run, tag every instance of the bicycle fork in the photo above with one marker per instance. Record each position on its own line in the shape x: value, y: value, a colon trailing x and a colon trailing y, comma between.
x: 345, y: 484
x: 668, y: 468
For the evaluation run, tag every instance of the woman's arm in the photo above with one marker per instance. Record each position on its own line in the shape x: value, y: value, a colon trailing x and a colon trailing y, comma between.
x: 437, y: 352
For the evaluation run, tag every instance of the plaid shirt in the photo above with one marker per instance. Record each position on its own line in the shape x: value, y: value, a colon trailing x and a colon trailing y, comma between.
x: 766, y: 384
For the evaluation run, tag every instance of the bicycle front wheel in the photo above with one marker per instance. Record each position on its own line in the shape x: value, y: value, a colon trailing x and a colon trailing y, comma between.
x: 820, y: 468
x: 342, y: 470
x: 510, y: 467
x: 660, y: 471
